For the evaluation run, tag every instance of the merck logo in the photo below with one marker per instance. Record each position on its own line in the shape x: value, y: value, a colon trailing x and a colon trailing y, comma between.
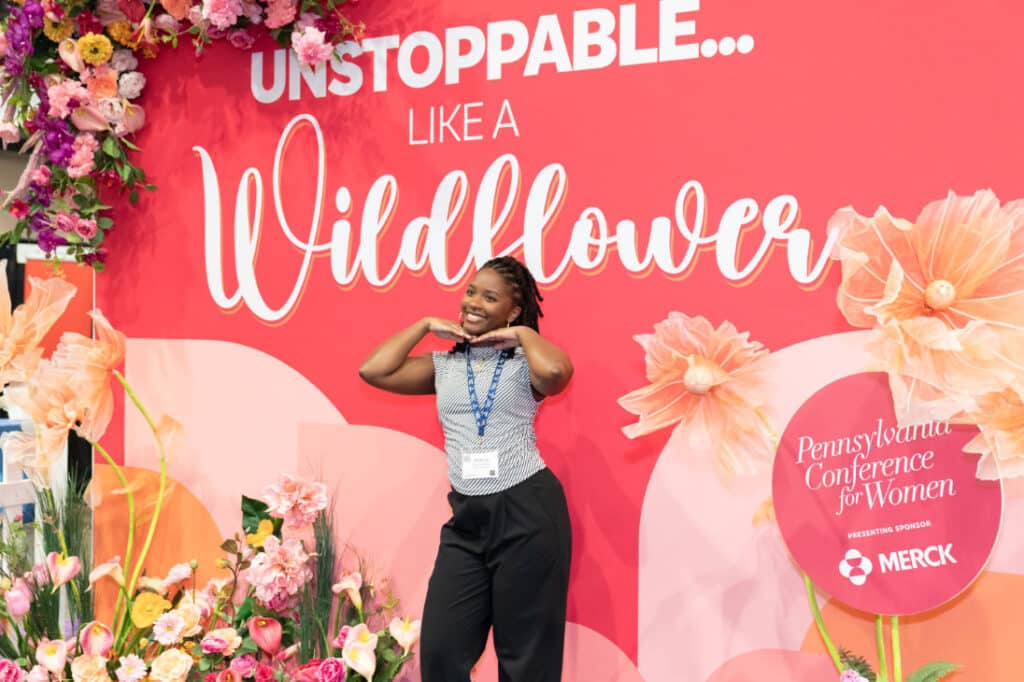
x: 855, y: 567
x: 913, y: 559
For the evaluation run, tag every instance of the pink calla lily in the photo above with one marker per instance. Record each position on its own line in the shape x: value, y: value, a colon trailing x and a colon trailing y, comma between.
x: 266, y: 632
x: 52, y: 655
x: 90, y: 119
x: 350, y: 584
x: 96, y: 639
x: 68, y: 51
x: 62, y: 569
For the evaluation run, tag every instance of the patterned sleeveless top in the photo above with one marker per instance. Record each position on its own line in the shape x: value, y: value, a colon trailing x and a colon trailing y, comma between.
x: 509, y: 428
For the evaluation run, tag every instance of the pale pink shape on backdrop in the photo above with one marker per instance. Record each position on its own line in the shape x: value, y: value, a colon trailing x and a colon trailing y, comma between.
x: 769, y: 665
x: 240, y: 408
x: 712, y: 585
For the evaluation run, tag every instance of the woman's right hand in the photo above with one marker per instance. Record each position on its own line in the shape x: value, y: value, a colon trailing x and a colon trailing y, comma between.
x: 446, y: 329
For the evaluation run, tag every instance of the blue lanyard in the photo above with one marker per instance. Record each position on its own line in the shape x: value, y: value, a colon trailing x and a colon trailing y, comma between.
x: 481, y: 415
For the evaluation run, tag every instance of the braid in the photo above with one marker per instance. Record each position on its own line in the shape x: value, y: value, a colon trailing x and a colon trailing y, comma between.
x: 524, y: 288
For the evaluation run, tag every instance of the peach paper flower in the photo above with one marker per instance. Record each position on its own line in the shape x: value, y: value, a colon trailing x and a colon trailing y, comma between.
x: 707, y: 383
x: 1000, y: 417
x: 22, y: 330
x: 945, y: 295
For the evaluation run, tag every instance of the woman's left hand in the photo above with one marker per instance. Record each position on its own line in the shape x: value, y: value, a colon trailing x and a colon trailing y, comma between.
x: 503, y: 338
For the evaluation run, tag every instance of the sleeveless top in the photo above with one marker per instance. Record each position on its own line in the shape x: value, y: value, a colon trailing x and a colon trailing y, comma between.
x: 509, y: 428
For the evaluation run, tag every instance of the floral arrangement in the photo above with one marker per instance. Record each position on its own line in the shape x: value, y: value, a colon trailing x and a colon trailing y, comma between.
x: 71, y: 85
x: 279, y: 611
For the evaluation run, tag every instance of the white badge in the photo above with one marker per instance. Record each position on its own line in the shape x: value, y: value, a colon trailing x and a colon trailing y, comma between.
x: 480, y: 464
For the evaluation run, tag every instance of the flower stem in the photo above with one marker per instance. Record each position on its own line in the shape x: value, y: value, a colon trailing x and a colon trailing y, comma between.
x: 160, y: 490
x: 883, y: 668
x: 897, y: 661
x: 129, y: 546
x: 812, y: 600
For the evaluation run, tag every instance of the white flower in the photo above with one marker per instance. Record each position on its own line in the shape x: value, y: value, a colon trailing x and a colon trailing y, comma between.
x: 123, y: 60
x: 131, y: 84
x: 132, y: 669
x: 112, y: 109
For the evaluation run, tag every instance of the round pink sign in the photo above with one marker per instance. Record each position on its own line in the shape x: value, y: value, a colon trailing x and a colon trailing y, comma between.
x: 886, y: 519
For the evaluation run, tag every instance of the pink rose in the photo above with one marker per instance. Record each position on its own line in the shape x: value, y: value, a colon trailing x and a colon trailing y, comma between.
x: 222, y: 14
x: 214, y: 645
x: 66, y: 223
x: 10, y: 671
x: 332, y: 670
x: 264, y: 673
x: 41, y: 175
x: 86, y: 229
x: 245, y: 665
x: 241, y: 39
x: 281, y: 12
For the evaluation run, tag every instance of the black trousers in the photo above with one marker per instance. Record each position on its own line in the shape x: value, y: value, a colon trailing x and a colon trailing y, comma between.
x: 503, y: 562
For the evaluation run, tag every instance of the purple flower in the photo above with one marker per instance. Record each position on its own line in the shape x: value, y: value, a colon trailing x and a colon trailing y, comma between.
x: 57, y: 140
x: 40, y: 194
x: 49, y: 240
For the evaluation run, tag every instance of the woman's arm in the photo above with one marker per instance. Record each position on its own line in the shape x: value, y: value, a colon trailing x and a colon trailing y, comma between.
x: 550, y: 367
x: 390, y: 368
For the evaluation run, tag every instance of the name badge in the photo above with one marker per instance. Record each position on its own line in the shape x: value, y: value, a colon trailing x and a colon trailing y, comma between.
x: 480, y: 465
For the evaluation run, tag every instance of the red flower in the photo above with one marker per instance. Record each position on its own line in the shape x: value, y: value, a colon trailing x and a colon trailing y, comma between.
x: 264, y: 673
x: 310, y: 672
x: 19, y: 209
x: 88, y: 23
x: 135, y: 10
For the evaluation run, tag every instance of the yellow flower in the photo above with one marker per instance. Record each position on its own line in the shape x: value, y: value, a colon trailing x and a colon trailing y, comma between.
x: 58, y: 30
x: 121, y: 32
x: 172, y: 665
x: 147, y: 608
x: 263, y: 531
x: 95, y: 49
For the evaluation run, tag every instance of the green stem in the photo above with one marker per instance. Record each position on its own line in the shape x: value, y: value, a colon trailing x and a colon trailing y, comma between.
x: 122, y: 595
x: 160, y: 491
x: 883, y: 668
x: 897, y: 660
x: 812, y: 600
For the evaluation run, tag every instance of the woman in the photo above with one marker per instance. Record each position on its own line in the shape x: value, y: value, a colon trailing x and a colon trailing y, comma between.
x: 504, y: 555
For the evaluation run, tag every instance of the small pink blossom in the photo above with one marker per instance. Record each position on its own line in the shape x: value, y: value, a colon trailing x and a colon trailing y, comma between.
x: 10, y: 671
x: 222, y: 14
x: 65, y: 222
x: 241, y: 38
x: 279, y: 572
x: 310, y: 47
x: 244, y: 665
x: 253, y: 12
x: 9, y: 133
x: 167, y: 24
x: 108, y: 12
x: 339, y: 641
x: 18, y: 599
x: 41, y: 175
x: 295, y: 501
x: 306, y: 19
x: 85, y: 147
x: 38, y: 674
x: 112, y: 109
x: 167, y: 629
x: 123, y: 60
x: 63, y: 94
x: 86, y: 228
x: 179, y: 573
x: 331, y: 670
x: 281, y: 12
x: 214, y: 645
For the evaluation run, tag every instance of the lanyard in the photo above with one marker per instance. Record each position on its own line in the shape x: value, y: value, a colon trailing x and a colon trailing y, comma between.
x: 481, y: 415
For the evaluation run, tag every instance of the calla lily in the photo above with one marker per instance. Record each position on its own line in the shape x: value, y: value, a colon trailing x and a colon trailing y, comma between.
x: 266, y: 632
x: 405, y: 633
x: 168, y: 430
x: 359, y: 652
x: 68, y: 50
x: 111, y: 569
x: 90, y: 119
x: 96, y: 639
x: 350, y: 584
x: 52, y: 655
x: 62, y: 569
x: 18, y: 598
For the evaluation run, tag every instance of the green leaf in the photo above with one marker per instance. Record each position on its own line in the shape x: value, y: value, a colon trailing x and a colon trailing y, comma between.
x: 204, y: 664
x: 133, y: 197
x: 79, y: 199
x: 253, y: 511
x: 111, y: 148
x: 243, y: 613
x: 229, y: 546
x: 104, y: 223
x: 129, y: 144
x: 933, y: 672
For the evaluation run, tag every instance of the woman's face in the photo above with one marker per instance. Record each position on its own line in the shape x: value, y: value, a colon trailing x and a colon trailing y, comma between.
x: 488, y: 304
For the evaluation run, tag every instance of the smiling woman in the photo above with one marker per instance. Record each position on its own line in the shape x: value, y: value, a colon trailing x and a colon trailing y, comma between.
x: 504, y: 554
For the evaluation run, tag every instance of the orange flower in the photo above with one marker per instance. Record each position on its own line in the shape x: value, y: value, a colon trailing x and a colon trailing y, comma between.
x: 1000, y: 416
x: 22, y: 331
x: 946, y: 294
x: 707, y: 383
x: 48, y: 402
x: 101, y: 82
x: 89, y: 363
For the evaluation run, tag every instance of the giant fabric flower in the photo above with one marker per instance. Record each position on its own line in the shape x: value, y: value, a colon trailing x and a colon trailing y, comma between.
x: 945, y: 294
x: 707, y: 383
x: 1000, y: 417
x: 22, y: 330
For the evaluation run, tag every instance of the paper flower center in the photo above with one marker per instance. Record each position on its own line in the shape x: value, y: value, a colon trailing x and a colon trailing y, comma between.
x: 698, y: 379
x: 940, y: 294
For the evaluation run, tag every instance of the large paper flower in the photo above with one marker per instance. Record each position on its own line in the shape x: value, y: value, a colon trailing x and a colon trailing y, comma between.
x: 946, y: 294
x: 1000, y: 417
x: 707, y: 383
x: 22, y: 330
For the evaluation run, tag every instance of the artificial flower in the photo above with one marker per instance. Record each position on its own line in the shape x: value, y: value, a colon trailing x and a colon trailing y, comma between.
x: 18, y: 599
x: 132, y: 669
x: 52, y: 655
x: 172, y: 665
x: 350, y: 584
x: 339, y: 640
x: 1000, y: 442
x: 406, y: 633
x: 58, y: 30
x: 310, y: 46
x: 121, y: 32
x: 22, y: 330
x: 263, y: 531
x: 123, y: 60
x: 359, y: 653
x: 295, y: 501
x: 707, y: 383
x: 96, y: 639
x: 89, y: 668
x: 62, y: 568
x: 148, y: 606
x: 222, y: 14
x: 229, y: 636
x: 266, y: 632
x: 130, y: 84
x: 95, y: 48
x: 331, y: 670
x: 10, y: 671
x: 244, y: 665
x: 108, y: 569
x: 101, y: 81
x: 168, y: 628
